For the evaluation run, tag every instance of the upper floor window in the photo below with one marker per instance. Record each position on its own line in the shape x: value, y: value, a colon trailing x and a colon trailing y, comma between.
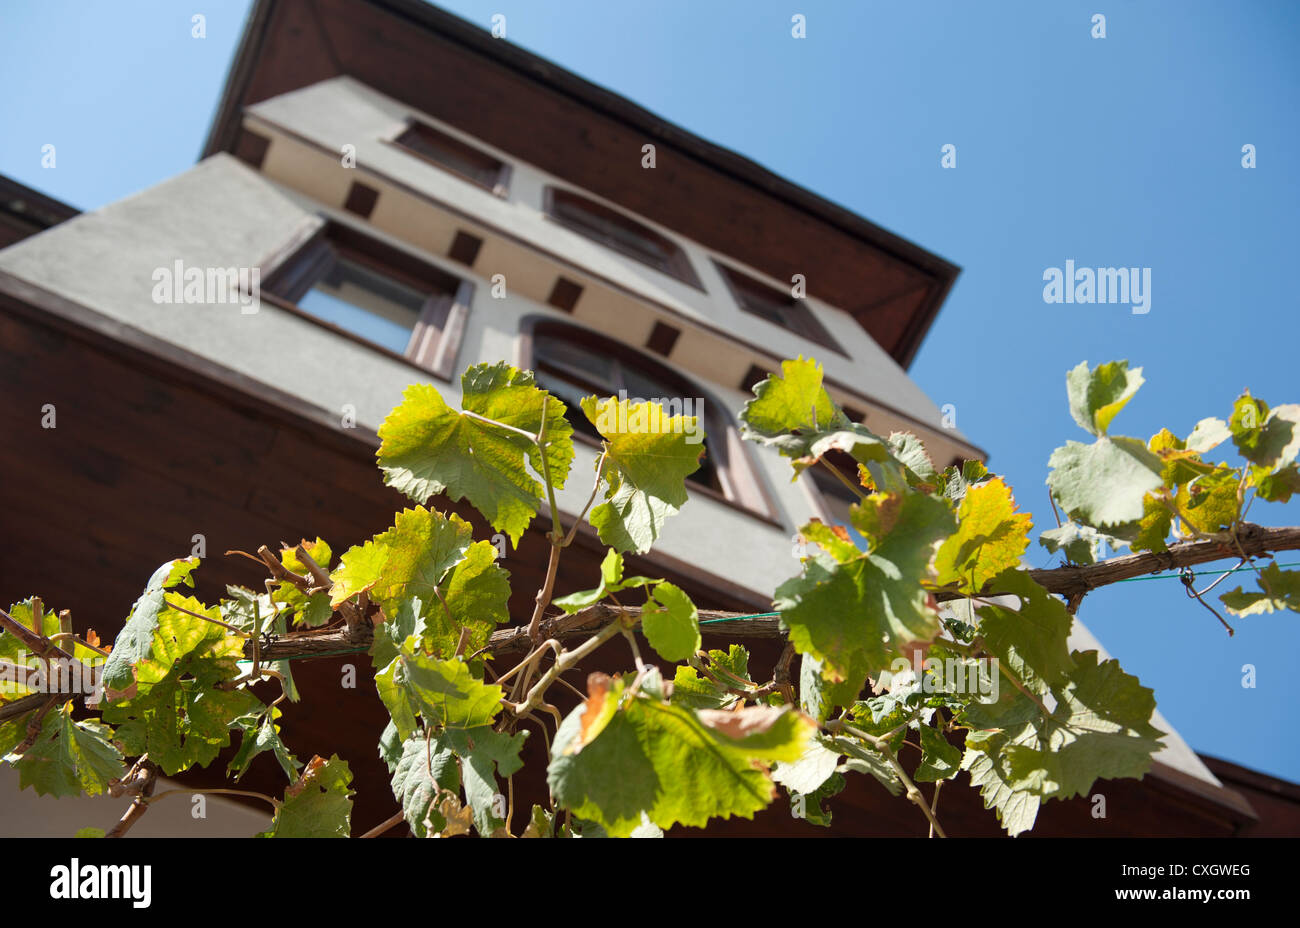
x: 621, y: 233
x: 377, y: 294
x: 451, y: 154
x: 777, y: 306
x: 572, y: 363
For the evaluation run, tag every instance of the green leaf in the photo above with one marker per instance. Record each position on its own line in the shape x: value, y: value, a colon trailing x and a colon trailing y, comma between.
x: 696, y: 692
x: 1104, y: 483
x: 1209, y: 503
x: 1280, y: 589
x: 444, y: 692
x: 409, y: 559
x: 477, y: 592
x: 940, y: 760
x: 991, y: 536
x: 69, y: 757
x: 861, y: 613
x: 1100, y: 728
x: 429, y: 448
x: 676, y: 765
x: 423, y: 771
x: 811, y: 770
x: 1032, y: 637
x: 1208, y: 435
x: 1097, y: 395
x: 182, y: 721
x: 484, y: 753
x: 790, y: 406
x: 611, y: 581
x: 810, y: 804
x: 648, y: 458
x: 134, y: 643
x: 1268, y: 438
x: 1154, y: 528
x: 259, y: 734
x: 671, y: 623
x: 318, y: 805
x: 1081, y: 544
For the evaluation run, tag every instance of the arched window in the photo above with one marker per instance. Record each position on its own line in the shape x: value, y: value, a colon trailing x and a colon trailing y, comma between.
x: 620, y: 232
x: 572, y: 362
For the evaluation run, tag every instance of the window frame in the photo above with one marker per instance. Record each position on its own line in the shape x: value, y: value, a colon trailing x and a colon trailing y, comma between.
x: 807, y: 326
x: 439, y: 329
x: 743, y: 487
x: 677, y: 265
x: 498, y: 185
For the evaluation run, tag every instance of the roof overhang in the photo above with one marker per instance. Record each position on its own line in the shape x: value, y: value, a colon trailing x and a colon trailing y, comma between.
x: 585, y: 134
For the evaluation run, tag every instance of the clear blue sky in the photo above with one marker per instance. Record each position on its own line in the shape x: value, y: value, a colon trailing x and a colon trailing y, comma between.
x: 1117, y: 151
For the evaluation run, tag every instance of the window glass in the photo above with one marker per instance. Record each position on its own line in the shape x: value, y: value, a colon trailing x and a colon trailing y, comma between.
x: 621, y: 233
x: 361, y: 300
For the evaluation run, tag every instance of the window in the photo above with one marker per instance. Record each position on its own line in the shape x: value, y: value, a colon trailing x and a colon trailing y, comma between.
x: 620, y: 233
x: 451, y: 154
x: 376, y: 294
x: 777, y: 306
x: 572, y: 363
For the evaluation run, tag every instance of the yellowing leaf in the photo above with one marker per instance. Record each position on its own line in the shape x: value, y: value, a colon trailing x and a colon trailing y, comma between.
x: 991, y: 536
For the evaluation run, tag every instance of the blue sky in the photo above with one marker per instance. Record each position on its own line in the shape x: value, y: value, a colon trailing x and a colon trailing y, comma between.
x: 1117, y: 151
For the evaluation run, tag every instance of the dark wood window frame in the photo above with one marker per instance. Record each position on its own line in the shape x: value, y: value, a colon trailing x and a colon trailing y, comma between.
x: 440, y: 328
x: 742, y: 485
x: 777, y: 307
x: 613, y: 229
x: 464, y: 160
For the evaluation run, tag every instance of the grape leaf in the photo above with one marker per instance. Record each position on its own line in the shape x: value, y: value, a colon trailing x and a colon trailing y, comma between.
x: 648, y: 458
x: 1209, y: 503
x: 789, y: 407
x: 1081, y: 544
x: 429, y: 448
x: 182, y: 721
x: 673, y: 764
x: 259, y: 734
x: 813, y: 768
x: 1280, y: 589
x: 1096, y: 395
x: 409, y: 559
x: 423, y: 771
x: 611, y: 581
x: 1104, y: 483
x: 69, y: 757
x: 728, y: 668
x: 671, y: 623
x: 444, y: 692
x: 991, y: 536
x: 860, y: 613
x: 135, y: 642
x: 940, y: 760
x: 1268, y: 438
x: 484, y: 753
x: 1031, y: 637
x: 318, y: 805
